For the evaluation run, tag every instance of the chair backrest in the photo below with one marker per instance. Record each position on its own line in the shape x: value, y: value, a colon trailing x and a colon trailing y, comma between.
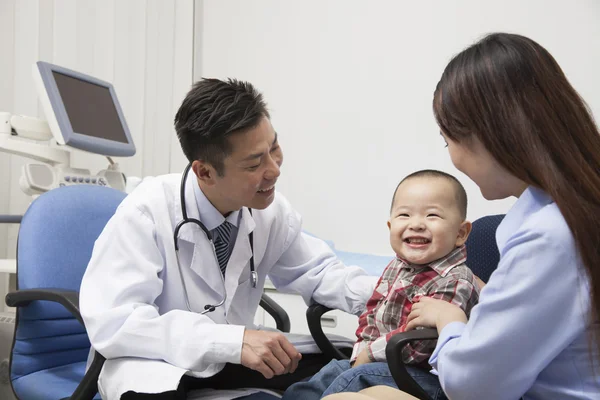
x: 482, y: 250
x: 55, y: 243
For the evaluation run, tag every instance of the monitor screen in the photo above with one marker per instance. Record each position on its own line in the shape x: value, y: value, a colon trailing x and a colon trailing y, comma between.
x: 90, y: 108
x: 83, y: 111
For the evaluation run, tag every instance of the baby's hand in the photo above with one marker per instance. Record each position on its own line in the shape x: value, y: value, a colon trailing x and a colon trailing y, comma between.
x: 363, y: 358
x: 479, y: 282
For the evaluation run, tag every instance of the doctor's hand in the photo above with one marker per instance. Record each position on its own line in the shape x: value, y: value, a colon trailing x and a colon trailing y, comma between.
x: 269, y: 353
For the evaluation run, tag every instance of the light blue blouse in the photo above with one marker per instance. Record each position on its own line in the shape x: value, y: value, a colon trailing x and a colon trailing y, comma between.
x: 528, y: 336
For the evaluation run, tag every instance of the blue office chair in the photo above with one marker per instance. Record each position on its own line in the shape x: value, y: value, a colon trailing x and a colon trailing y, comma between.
x: 482, y: 257
x: 482, y: 252
x: 55, y: 243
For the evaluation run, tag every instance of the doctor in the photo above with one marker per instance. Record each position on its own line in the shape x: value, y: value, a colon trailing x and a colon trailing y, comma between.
x: 168, y: 319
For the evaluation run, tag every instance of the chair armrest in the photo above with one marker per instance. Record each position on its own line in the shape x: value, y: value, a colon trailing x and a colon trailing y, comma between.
x: 282, y: 319
x: 393, y: 354
x: 313, y: 317
x: 88, y: 387
x: 10, y: 219
x: 69, y: 299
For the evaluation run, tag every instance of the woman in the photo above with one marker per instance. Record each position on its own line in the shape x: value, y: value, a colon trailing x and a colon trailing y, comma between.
x: 516, y: 127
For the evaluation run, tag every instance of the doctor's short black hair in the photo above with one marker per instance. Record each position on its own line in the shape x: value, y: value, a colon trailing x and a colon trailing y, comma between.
x: 212, y: 111
x: 459, y: 190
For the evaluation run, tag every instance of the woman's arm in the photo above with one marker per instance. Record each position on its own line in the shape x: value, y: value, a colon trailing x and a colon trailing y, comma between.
x: 533, y: 308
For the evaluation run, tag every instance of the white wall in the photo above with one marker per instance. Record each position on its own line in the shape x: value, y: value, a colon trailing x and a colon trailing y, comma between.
x: 144, y: 47
x: 350, y: 84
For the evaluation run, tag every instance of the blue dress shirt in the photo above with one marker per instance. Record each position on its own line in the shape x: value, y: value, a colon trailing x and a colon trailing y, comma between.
x: 212, y: 218
x: 529, y: 334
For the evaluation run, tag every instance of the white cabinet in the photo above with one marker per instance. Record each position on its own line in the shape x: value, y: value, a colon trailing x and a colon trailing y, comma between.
x: 336, y: 321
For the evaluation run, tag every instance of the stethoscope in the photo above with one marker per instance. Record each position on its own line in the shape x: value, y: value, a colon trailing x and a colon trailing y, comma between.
x: 253, y: 276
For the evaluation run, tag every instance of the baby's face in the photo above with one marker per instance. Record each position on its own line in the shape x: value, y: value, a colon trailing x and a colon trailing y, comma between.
x: 425, y: 223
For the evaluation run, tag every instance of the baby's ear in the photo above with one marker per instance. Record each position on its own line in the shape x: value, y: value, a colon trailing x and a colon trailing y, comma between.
x: 463, y: 233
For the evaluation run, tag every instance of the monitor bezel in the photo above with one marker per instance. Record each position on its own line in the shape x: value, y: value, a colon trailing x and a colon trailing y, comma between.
x: 60, y: 125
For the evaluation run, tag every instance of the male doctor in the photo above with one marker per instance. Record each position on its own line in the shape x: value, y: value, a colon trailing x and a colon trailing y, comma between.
x: 169, y: 321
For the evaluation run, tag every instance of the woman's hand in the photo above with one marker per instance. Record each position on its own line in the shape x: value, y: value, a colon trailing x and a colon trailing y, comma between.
x: 434, y: 313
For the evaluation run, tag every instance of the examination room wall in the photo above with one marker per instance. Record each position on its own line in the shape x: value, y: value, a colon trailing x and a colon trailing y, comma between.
x: 144, y: 47
x: 350, y: 84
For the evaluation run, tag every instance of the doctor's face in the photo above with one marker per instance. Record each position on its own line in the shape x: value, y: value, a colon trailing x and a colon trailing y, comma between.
x: 251, y: 170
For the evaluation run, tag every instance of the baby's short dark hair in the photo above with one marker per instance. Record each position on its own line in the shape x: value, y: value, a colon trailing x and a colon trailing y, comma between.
x: 461, y: 194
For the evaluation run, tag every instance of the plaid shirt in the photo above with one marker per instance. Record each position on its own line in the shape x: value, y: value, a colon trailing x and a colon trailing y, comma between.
x: 398, y: 288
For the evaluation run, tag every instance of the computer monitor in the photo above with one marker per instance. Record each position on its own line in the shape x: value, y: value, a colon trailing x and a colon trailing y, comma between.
x: 83, y: 112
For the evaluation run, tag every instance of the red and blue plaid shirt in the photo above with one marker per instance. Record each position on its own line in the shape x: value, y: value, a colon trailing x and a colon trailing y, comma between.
x: 398, y: 288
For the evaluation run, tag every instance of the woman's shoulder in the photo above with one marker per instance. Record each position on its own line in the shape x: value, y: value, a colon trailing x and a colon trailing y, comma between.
x: 542, y: 224
x: 548, y: 223
x: 543, y: 245
x: 541, y: 255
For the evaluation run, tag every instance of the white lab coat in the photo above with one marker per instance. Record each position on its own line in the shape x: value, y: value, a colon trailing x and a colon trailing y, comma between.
x: 133, y: 303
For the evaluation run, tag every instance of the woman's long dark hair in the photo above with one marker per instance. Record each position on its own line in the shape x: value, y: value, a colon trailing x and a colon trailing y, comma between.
x: 510, y: 93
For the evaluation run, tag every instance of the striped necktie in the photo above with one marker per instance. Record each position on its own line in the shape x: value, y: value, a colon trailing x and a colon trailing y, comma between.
x: 222, y: 235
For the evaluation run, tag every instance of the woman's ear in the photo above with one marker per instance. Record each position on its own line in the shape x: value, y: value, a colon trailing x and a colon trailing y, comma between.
x: 463, y: 233
x: 389, y: 224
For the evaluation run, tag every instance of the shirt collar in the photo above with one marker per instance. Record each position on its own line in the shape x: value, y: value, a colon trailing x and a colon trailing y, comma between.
x: 209, y: 215
x: 443, y: 265
x: 530, y: 201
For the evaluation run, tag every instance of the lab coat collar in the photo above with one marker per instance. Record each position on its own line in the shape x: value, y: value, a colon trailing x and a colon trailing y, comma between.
x: 238, y: 267
x: 195, y: 200
x: 188, y: 231
x: 209, y: 215
x: 204, y: 262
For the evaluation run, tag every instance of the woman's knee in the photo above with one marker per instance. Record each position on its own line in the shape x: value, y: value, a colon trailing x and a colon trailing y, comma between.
x: 386, y: 393
x: 347, y: 396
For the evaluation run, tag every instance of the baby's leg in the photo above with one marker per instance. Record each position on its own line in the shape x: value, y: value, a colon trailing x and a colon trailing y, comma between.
x: 314, y: 388
x: 362, y: 377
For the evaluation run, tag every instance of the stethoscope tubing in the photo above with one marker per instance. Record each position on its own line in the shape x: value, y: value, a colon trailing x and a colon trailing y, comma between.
x: 253, y: 275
